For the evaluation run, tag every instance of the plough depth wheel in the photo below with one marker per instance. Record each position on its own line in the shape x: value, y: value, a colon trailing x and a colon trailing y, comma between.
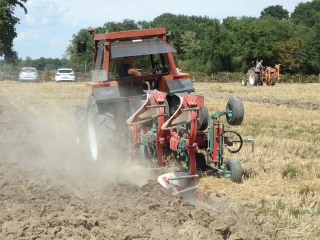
x: 235, y: 111
x: 234, y: 170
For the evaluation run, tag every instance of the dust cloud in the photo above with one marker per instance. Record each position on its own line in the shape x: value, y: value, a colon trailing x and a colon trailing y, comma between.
x: 53, y: 144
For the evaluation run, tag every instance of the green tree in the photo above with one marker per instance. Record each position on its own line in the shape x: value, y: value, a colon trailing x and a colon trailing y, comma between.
x: 190, y: 45
x: 286, y: 53
x: 309, y: 53
x: 306, y: 13
x: 7, y: 27
x: 28, y: 61
x: 144, y: 24
x: 276, y: 11
x: 177, y: 25
x: 80, y: 60
x: 125, y: 25
x: 210, y: 46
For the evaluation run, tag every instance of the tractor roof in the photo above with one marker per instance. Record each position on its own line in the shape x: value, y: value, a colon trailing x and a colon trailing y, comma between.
x: 140, y: 47
x: 133, y: 34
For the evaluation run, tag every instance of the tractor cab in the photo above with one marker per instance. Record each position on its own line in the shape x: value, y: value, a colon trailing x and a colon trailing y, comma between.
x: 149, y: 49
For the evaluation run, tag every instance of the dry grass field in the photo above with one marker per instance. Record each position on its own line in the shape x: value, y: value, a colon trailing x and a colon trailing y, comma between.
x: 283, y: 172
x: 281, y: 184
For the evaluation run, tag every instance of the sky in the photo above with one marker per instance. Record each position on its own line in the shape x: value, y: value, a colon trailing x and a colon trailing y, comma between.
x: 47, y: 28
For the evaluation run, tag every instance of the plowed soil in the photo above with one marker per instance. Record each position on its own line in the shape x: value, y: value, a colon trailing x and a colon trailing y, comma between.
x: 48, y: 192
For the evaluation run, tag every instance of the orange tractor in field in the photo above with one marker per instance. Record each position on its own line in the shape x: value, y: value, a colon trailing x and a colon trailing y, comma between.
x: 151, y: 115
x: 256, y: 78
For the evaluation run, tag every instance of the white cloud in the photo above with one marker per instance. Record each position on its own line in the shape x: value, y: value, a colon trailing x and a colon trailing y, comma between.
x: 29, y: 35
x: 44, y: 20
x: 75, y: 23
x: 55, y: 42
x: 42, y: 12
x: 29, y: 19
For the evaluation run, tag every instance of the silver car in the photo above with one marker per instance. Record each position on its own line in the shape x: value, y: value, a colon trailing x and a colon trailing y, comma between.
x: 28, y: 74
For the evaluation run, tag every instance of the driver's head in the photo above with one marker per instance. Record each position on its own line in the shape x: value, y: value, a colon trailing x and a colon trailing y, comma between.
x: 128, y: 60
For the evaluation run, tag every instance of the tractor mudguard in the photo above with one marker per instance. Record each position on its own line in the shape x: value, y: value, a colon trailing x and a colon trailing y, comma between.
x: 107, y: 94
x: 179, y: 86
x: 256, y: 70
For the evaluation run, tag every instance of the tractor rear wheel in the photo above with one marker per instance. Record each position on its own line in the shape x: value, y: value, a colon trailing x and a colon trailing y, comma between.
x: 82, y: 131
x: 235, y: 169
x: 101, y: 132
x: 252, y: 77
x: 272, y: 81
x: 244, y: 81
x: 235, y: 111
x: 257, y: 80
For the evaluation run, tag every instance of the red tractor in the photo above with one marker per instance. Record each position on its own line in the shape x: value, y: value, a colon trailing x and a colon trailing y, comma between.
x: 256, y: 78
x: 154, y: 114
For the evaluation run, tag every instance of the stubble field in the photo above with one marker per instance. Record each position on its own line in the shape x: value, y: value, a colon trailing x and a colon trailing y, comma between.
x: 47, y: 194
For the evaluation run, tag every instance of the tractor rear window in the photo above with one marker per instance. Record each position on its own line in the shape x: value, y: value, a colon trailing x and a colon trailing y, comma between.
x: 140, y: 47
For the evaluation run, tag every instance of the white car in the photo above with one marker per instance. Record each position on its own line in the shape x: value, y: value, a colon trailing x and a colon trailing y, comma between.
x: 28, y: 74
x: 64, y: 74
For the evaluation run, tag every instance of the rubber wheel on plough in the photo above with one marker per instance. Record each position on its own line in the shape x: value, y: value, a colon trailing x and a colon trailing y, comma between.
x: 235, y: 169
x: 236, y: 111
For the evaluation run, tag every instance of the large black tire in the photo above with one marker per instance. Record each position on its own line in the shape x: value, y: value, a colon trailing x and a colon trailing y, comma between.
x: 234, y: 166
x: 257, y: 81
x: 82, y: 131
x: 252, y: 77
x: 235, y: 106
x: 101, y: 133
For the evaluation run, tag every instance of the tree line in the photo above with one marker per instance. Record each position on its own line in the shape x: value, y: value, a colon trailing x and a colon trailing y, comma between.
x: 209, y: 45
x: 41, y: 64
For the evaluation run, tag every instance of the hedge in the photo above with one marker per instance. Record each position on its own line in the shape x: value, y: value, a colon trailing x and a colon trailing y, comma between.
x: 48, y: 75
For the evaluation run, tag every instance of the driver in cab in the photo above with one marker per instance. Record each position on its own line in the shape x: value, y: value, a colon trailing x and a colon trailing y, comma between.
x: 126, y: 69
